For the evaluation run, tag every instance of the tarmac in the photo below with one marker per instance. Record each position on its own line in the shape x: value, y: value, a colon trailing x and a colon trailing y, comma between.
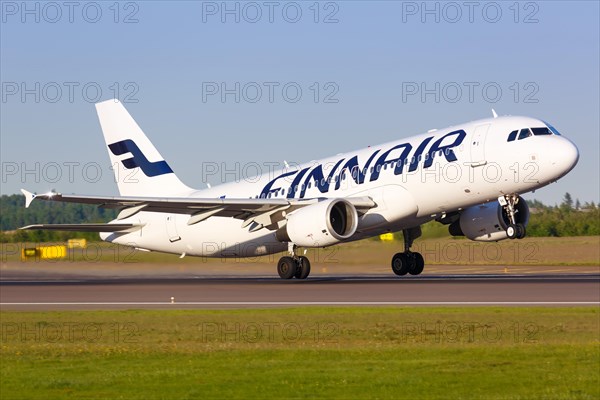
x: 71, y: 286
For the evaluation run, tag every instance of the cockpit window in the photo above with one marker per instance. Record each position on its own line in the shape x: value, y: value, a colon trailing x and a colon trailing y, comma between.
x: 552, y: 129
x: 524, y: 133
x: 541, y: 131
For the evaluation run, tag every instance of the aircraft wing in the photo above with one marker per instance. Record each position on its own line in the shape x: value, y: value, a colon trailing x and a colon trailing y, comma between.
x: 86, y: 227
x: 259, y: 212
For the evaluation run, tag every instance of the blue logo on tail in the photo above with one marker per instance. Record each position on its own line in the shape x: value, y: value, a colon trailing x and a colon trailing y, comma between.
x: 150, y: 169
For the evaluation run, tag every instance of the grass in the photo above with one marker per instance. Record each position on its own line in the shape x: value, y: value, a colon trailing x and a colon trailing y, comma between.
x: 580, y: 250
x: 395, y: 352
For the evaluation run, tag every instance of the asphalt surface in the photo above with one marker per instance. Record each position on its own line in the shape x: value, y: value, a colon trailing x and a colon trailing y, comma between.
x: 181, y: 291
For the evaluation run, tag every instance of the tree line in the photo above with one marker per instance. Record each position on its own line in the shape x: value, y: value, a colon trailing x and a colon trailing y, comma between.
x: 13, y: 215
x: 569, y: 218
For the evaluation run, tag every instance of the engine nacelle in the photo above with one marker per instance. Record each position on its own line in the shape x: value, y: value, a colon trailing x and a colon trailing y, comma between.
x: 488, y: 222
x: 322, y: 224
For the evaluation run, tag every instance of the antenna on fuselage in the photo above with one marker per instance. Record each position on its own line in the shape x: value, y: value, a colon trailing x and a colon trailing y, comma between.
x: 494, y: 113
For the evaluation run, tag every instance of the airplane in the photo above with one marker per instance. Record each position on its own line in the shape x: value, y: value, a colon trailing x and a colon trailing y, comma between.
x: 469, y: 177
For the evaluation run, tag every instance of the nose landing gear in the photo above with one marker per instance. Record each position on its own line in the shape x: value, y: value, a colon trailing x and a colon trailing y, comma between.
x: 509, y: 202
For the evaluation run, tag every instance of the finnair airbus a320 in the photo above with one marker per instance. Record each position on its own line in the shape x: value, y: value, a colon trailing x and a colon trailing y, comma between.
x: 467, y: 176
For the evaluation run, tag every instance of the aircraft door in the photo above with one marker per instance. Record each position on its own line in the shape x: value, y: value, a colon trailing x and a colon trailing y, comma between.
x: 478, y: 145
x: 172, y: 228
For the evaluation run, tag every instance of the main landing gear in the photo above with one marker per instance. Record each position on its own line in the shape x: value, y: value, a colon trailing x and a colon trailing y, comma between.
x: 408, y: 262
x: 293, y: 266
x: 514, y: 230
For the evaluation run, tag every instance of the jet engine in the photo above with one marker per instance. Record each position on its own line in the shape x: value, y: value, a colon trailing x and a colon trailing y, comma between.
x: 322, y: 224
x: 489, y: 222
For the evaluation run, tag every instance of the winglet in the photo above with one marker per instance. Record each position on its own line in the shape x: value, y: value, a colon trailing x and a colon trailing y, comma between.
x: 28, y: 197
x: 494, y: 113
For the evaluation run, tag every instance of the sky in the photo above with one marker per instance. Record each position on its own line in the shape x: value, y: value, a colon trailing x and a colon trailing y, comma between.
x: 221, y: 87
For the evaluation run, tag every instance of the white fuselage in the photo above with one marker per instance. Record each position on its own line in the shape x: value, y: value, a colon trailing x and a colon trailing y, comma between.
x: 411, y: 181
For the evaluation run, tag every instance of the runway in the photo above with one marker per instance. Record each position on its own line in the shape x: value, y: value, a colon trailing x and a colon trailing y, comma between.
x: 177, y: 292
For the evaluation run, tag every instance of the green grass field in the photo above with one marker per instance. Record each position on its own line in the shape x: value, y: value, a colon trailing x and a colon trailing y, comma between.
x: 411, y: 353
x: 579, y: 250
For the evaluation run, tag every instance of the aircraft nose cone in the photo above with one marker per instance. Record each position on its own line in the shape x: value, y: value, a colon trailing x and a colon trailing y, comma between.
x: 571, y: 155
x: 568, y: 156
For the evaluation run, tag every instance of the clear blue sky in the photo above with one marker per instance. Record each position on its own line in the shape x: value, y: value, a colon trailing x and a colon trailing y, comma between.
x: 543, y: 56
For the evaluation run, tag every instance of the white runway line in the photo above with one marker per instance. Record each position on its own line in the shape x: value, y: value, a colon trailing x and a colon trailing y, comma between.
x: 304, y: 303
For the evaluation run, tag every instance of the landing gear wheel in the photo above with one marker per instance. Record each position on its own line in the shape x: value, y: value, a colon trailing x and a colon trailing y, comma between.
x: 408, y: 262
x: 303, y: 268
x: 521, y: 232
x: 512, y: 231
x: 400, y: 264
x: 417, y: 265
x: 286, y: 267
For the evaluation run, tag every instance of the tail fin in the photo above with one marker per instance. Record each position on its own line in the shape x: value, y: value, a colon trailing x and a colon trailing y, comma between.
x: 139, y: 168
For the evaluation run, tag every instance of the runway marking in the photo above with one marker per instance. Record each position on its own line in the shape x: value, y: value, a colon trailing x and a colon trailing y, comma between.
x: 301, y: 303
x: 367, y: 278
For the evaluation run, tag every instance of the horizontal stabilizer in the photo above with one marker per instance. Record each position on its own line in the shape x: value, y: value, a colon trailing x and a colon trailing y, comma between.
x: 28, y: 197
x: 86, y: 227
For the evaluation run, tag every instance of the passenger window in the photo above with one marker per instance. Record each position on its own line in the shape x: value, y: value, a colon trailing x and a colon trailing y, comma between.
x: 512, y: 136
x: 524, y: 133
